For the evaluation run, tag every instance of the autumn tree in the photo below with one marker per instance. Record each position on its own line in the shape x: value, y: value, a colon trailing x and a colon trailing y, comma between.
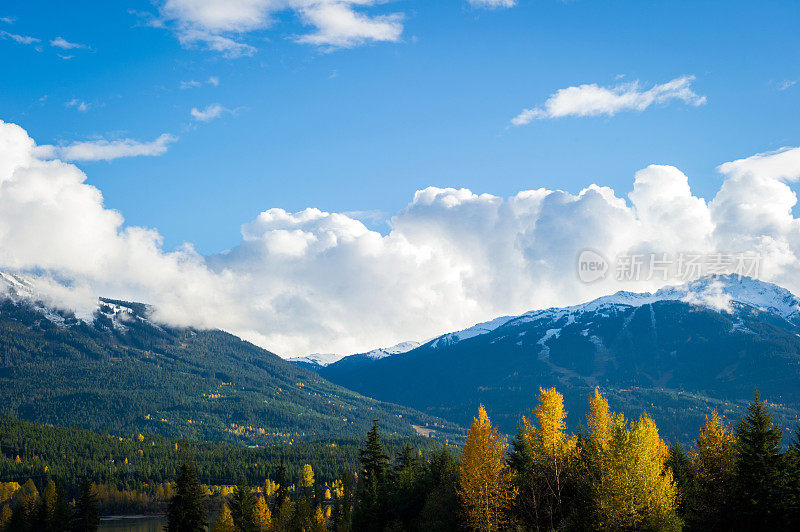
x: 262, y: 517
x: 636, y: 491
x: 486, y: 488
x: 713, y: 462
x: 224, y: 521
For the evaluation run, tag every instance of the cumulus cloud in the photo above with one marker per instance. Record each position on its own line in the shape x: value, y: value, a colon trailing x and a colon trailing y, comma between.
x: 593, y: 100
x: 208, y: 113
x: 60, y: 42
x: 105, y: 150
x: 221, y: 25
x: 316, y: 281
x: 493, y: 4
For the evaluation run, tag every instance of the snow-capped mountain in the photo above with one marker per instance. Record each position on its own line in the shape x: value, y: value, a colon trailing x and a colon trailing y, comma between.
x: 710, y: 341
x: 326, y: 359
x: 724, y: 293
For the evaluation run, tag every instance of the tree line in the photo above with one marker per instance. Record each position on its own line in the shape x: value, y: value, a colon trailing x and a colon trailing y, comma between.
x: 614, y: 474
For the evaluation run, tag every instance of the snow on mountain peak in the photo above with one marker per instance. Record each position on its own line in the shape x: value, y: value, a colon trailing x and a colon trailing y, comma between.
x: 718, y: 292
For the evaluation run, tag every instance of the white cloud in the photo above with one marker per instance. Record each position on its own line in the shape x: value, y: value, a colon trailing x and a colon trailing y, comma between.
x: 493, y: 4
x: 60, y: 42
x: 21, y: 39
x: 7, y: 20
x: 80, y: 105
x: 194, y: 84
x: 315, y: 281
x: 210, y: 112
x: 106, y: 150
x: 593, y: 100
x: 787, y: 83
x: 221, y: 25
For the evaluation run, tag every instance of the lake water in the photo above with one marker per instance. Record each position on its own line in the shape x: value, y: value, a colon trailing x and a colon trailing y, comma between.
x: 133, y: 524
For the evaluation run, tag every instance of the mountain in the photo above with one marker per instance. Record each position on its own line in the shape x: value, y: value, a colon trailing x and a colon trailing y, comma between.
x: 675, y: 353
x: 119, y: 371
x: 316, y: 361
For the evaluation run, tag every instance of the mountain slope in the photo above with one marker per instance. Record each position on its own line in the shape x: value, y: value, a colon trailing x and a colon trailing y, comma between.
x: 121, y: 372
x: 704, y: 345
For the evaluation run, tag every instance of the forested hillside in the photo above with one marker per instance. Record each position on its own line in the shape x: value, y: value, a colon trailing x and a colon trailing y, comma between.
x: 125, y: 374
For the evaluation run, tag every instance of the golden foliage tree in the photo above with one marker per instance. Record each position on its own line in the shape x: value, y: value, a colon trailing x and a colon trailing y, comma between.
x: 599, y: 420
x: 224, y: 522
x: 307, y: 477
x: 552, y: 452
x: 485, y: 488
x: 636, y: 490
x: 714, y: 462
x: 262, y: 517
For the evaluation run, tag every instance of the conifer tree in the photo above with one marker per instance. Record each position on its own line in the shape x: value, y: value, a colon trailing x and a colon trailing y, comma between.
x: 242, y: 504
x: 86, y: 517
x: 371, y: 514
x: 283, y: 489
x: 681, y: 466
x: 224, y: 521
x: 486, y: 488
x: 47, y: 507
x: 186, y: 511
x: 791, y: 496
x: 63, y: 511
x: 758, y: 469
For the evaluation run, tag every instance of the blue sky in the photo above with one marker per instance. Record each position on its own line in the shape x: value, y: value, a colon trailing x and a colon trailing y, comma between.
x: 356, y: 173
x: 362, y: 128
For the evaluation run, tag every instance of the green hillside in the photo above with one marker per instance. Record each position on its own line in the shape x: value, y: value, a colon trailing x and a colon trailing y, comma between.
x: 124, y: 374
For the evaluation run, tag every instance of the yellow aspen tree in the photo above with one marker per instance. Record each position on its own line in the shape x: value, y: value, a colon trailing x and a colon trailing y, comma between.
x: 307, y: 477
x: 485, y: 488
x: 713, y: 462
x: 224, y: 522
x: 636, y: 489
x: 320, y: 523
x: 262, y: 517
x: 599, y: 420
x: 552, y: 451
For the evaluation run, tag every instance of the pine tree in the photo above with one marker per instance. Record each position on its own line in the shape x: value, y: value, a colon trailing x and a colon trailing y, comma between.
x: 283, y: 488
x: 86, y: 517
x: 224, y: 521
x: 47, y: 507
x: 791, y: 496
x: 63, y: 511
x: 486, y: 488
x: 758, y: 469
x: 186, y: 511
x: 371, y: 512
x: 713, y: 461
x: 681, y: 466
x: 242, y: 504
